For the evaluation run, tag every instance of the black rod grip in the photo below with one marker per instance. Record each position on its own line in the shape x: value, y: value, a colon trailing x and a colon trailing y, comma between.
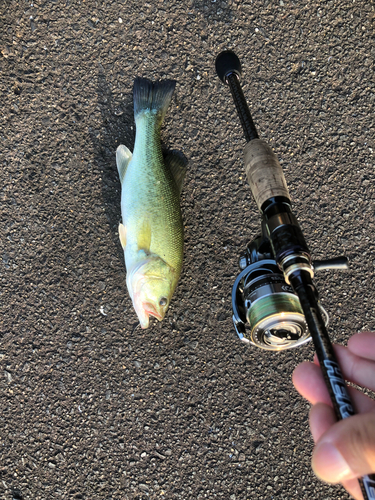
x: 228, y: 69
x: 332, y: 374
x: 243, y: 111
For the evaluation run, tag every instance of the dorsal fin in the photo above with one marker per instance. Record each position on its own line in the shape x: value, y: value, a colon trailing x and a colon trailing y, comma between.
x: 177, y: 163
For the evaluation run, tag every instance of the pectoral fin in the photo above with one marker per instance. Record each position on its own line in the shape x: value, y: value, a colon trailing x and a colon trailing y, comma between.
x: 122, y: 235
x: 176, y: 162
x: 143, y: 236
x: 123, y: 158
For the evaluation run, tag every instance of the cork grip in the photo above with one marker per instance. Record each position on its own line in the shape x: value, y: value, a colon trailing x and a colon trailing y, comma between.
x: 264, y: 172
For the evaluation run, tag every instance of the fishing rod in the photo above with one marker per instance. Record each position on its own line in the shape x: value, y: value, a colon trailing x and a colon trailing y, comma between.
x: 275, y: 303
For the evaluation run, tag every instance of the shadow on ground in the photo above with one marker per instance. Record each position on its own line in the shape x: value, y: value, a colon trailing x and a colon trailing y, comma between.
x: 117, y: 128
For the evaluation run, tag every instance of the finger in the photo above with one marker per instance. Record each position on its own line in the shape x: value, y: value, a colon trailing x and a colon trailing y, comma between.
x: 309, y: 382
x: 321, y: 418
x: 355, y: 369
x: 363, y: 344
x: 353, y: 488
x: 346, y: 450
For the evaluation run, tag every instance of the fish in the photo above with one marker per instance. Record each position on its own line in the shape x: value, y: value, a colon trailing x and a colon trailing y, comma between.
x: 151, y: 232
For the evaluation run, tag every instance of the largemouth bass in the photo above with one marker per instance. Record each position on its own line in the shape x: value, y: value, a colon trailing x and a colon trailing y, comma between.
x: 151, y: 232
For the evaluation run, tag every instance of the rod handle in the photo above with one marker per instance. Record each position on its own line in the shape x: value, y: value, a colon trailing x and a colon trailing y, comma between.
x: 264, y: 172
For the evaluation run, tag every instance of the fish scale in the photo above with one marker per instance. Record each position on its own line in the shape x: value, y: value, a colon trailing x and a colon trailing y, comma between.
x: 149, y: 192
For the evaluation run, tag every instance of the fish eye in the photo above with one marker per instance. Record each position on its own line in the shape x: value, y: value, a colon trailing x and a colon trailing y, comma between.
x: 163, y: 301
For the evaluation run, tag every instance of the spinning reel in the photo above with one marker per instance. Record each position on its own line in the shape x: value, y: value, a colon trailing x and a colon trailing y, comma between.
x: 266, y: 310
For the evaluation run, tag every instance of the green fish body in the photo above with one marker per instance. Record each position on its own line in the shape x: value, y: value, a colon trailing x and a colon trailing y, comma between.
x: 151, y: 232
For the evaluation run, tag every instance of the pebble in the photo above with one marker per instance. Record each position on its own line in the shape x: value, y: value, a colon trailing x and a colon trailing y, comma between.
x: 102, y: 310
x: 238, y: 359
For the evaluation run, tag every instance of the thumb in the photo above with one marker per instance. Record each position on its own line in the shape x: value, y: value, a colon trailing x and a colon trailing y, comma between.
x: 346, y: 450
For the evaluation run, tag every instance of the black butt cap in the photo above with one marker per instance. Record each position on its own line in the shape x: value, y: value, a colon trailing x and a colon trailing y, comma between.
x: 227, y: 62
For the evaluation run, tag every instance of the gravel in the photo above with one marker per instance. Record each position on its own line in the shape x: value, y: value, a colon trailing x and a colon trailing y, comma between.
x: 92, y: 407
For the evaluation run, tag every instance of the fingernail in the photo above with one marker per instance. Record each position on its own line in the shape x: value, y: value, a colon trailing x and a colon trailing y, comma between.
x: 329, y: 465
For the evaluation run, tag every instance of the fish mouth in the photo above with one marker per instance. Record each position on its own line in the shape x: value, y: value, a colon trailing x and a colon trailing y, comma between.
x: 151, y: 311
x: 145, y: 312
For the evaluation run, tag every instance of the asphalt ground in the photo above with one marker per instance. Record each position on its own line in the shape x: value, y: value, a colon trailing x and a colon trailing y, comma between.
x: 92, y: 408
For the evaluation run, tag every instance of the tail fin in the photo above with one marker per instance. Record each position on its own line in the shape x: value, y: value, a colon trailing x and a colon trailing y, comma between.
x: 152, y: 96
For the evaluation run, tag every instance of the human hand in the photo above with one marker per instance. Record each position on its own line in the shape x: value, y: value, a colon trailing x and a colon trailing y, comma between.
x: 344, y: 450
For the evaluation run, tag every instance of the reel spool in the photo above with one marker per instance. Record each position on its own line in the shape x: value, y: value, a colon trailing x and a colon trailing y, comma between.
x: 266, y: 311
